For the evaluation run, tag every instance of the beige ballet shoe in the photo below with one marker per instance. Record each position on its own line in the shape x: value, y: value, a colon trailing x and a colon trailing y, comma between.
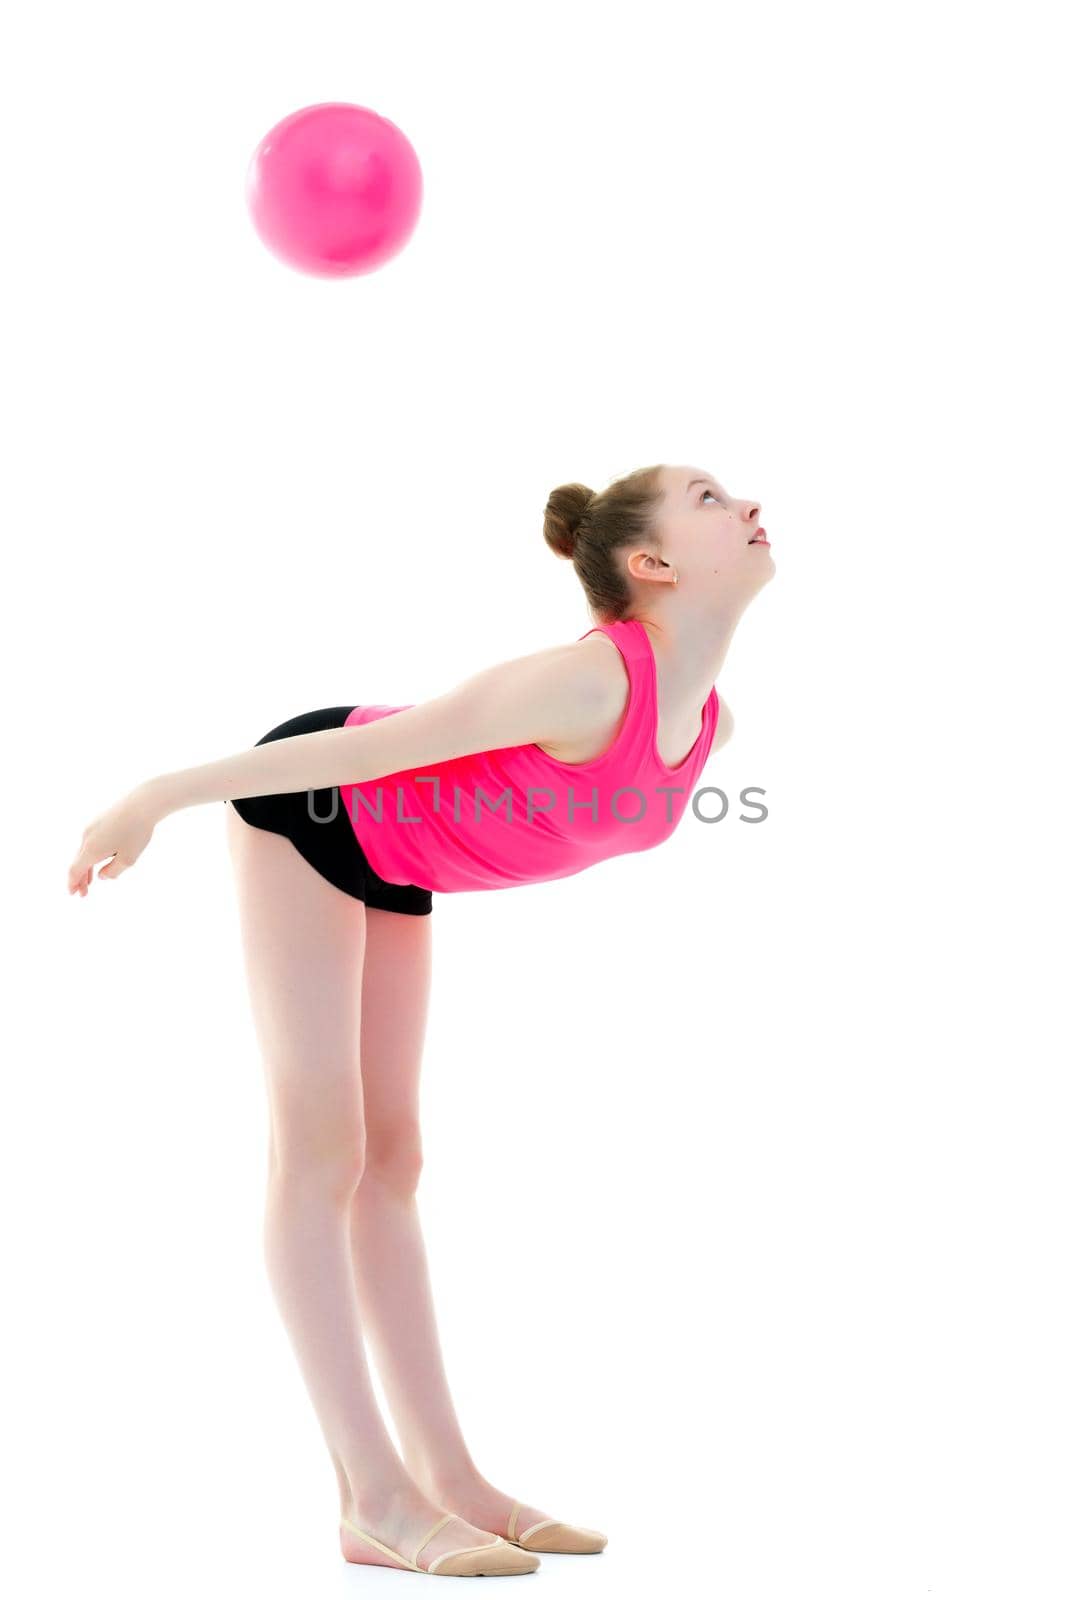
x: 495, y: 1559
x: 558, y: 1538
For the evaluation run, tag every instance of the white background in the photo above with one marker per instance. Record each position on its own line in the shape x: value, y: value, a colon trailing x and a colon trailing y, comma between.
x: 744, y: 1179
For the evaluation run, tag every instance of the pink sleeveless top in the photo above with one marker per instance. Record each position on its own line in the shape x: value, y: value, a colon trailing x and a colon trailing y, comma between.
x: 497, y: 818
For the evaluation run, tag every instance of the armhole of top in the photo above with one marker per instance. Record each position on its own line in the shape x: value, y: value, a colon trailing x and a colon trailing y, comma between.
x: 714, y: 699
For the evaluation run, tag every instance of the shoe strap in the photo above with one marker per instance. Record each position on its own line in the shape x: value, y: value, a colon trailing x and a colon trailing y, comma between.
x: 435, y: 1529
x: 467, y: 1551
x: 513, y: 1520
x: 549, y: 1522
x: 384, y: 1548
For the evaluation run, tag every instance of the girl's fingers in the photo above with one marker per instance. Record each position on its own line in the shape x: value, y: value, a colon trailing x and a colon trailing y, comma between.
x: 79, y: 878
x: 79, y: 865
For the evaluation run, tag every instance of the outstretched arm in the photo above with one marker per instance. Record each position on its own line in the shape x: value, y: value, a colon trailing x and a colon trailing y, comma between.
x: 535, y: 697
x: 554, y: 694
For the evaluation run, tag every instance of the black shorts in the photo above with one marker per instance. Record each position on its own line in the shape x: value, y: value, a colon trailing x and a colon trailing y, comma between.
x: 316, y: 822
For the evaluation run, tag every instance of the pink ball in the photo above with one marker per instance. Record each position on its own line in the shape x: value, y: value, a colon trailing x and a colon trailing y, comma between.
x: 334, y: 190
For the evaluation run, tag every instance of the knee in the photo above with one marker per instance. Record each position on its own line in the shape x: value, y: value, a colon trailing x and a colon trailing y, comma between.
x: 332, y: 1160
x: 393, y: 1155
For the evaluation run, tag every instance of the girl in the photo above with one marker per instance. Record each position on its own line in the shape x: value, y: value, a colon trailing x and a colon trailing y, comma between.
x: 341, y: 825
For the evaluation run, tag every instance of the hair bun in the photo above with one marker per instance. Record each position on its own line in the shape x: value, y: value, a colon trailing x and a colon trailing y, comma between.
x: 566, y: 507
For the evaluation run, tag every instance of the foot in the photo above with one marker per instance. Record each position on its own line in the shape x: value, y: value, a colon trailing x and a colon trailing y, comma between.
x: 403, y: 1522
x: 483, y: 1504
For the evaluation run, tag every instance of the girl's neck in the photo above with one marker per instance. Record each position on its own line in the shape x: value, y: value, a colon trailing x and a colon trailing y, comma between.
x: 690, y: 650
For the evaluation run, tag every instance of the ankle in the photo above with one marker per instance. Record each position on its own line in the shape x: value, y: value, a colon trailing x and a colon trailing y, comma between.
x: 376, y: 1503
x: 457, y: 1483
x: 450, y: 1478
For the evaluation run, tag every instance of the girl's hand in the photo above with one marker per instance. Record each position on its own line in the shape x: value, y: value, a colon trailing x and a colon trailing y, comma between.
x: 121, y: 833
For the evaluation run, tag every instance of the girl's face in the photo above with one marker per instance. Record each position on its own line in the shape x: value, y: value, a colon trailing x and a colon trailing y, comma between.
x: 706, y: 536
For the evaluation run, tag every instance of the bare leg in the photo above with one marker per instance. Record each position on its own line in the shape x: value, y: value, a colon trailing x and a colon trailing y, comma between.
x: 304, y: 945
x: 389, y: 1254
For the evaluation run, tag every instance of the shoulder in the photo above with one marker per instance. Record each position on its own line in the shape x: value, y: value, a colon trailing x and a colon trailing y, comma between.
x: 569, y: 688
x: 583, y: 670
x: 554, y: 696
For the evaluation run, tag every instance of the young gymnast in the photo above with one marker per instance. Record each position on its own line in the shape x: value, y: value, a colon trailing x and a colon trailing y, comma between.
x: 342, y: 823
